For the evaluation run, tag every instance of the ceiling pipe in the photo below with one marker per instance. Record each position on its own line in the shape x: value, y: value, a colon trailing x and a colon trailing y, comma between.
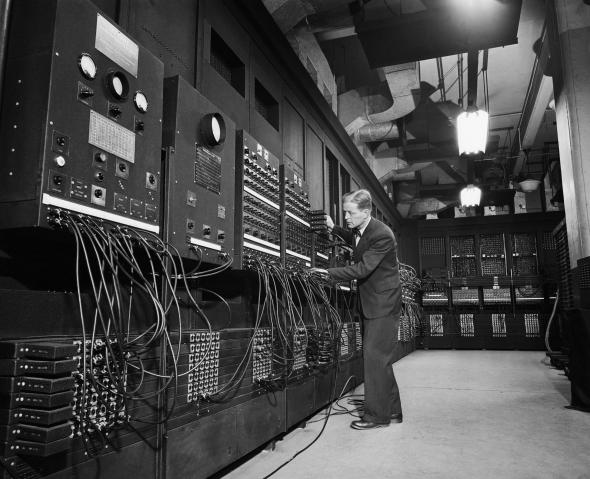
x: 376, y: 132
x: 472, y: 63
x: 4, y: 15
x: 539, y: 93
x: 441, y: 79
x: 404, y: 85
x: 484, y: 73
x: 460, y: 78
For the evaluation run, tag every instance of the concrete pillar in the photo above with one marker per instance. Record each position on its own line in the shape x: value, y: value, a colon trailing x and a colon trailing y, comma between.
x: 569, y: 30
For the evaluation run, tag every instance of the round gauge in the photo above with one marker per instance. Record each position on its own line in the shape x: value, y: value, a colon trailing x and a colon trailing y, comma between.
x: 216, y: 129
x: 141, y: 102
x: 87, y: 66
x: 213, y: 129
x: 118, y: 85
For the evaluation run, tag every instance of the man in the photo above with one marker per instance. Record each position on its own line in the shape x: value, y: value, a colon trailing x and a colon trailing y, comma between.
x: 377, y: 273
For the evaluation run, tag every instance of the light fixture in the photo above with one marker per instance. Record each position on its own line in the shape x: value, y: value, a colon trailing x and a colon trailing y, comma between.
x: 472, y: 131
x: 470, y: 196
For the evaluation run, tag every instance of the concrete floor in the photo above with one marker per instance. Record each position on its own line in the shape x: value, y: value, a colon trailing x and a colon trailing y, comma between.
x: 467, y: 414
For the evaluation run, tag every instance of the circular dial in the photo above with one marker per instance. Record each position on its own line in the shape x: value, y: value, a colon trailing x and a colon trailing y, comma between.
x: 118, y: 85
x: 141, y: 102
x: 87, y: 66
x: 215, y: 129
x: 212, y: 128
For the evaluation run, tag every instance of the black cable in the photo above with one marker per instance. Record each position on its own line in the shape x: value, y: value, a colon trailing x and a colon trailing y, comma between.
x: 321, y: 430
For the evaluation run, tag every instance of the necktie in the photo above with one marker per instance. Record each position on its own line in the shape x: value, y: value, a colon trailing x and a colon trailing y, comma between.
x: 357, y: 236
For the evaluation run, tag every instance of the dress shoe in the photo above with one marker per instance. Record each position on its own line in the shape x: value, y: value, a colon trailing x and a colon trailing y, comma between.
x: 397, y: 418
x: 362, y: 424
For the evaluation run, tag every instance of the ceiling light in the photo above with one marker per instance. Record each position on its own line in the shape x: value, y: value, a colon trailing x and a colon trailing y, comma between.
x: 470, y: 196
x: 472, y: 131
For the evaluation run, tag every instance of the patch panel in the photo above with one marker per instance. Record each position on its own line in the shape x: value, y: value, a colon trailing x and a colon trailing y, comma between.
x: 465, y: 296
x: 345, y: 335
x: 531, y: 325
x: 262, y: 354
x: 295, y: 204
x: 98, y: 402
x: 529, y: 293
x: 432, y: 246
x: 257, y: 206
x: 358, y: 337
x: 466, y: 324
x: 203, y: 364
x: 436, y: 324
x: 462, y: 246
x: 326, y: 347
x: 435, y: 295
x: 299, y: 349
x: 496, y: 296
x: 498, y: 325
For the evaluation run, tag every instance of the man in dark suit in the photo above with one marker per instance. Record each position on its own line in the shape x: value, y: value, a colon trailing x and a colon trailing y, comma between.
x: 377, y: 273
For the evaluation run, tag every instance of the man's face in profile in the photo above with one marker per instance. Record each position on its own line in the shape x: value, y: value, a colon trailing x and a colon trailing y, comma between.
x: 353, y: 216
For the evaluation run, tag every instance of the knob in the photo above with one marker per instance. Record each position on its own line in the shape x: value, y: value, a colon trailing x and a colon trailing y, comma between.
x: 98, y: 193
x: 115, y: 111
x: 86, y: 93
x: 60, y: 161
x: 100, y: 157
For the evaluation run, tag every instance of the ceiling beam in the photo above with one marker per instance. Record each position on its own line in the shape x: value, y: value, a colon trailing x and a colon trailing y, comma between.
x: 535, y: 103
x: 442, y: 192
x: 449, y: 170
x: 334, y: 33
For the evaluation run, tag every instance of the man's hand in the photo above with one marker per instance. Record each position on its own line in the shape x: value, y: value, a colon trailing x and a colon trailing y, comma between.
x: 319, y: 271
x: 329, y: 223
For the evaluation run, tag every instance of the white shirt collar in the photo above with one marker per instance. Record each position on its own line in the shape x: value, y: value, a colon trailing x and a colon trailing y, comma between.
x: 362, y: 230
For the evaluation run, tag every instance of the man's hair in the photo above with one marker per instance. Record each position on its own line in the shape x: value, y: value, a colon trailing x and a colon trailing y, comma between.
x: 362, y: 198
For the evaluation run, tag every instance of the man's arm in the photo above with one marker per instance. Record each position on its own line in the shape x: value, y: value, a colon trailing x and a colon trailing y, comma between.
x: 369, y: 261
x: 343, y: 233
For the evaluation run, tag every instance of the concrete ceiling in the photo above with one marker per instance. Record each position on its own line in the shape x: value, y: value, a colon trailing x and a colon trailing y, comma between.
x: 423, y: 116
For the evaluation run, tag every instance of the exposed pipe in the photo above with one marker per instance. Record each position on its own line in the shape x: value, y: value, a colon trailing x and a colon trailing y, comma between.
x: 375, y: 132
x: 460, y: 77
x: 441, y: 79
x: 4, y: 16
x: 484, y: 74
x: 404, y: 84
x: 472, y: 62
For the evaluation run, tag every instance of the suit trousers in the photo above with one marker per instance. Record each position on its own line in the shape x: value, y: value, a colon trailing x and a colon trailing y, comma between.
x: 382, y: 397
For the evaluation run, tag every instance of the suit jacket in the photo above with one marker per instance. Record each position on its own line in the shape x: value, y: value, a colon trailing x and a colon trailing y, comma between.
x: 376, y: 269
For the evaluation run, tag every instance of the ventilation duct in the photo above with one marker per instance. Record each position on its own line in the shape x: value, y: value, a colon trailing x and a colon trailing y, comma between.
x: 404, y: 85
x: 377, y: 132
x: 288, y: 13
x: 424, y: 206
